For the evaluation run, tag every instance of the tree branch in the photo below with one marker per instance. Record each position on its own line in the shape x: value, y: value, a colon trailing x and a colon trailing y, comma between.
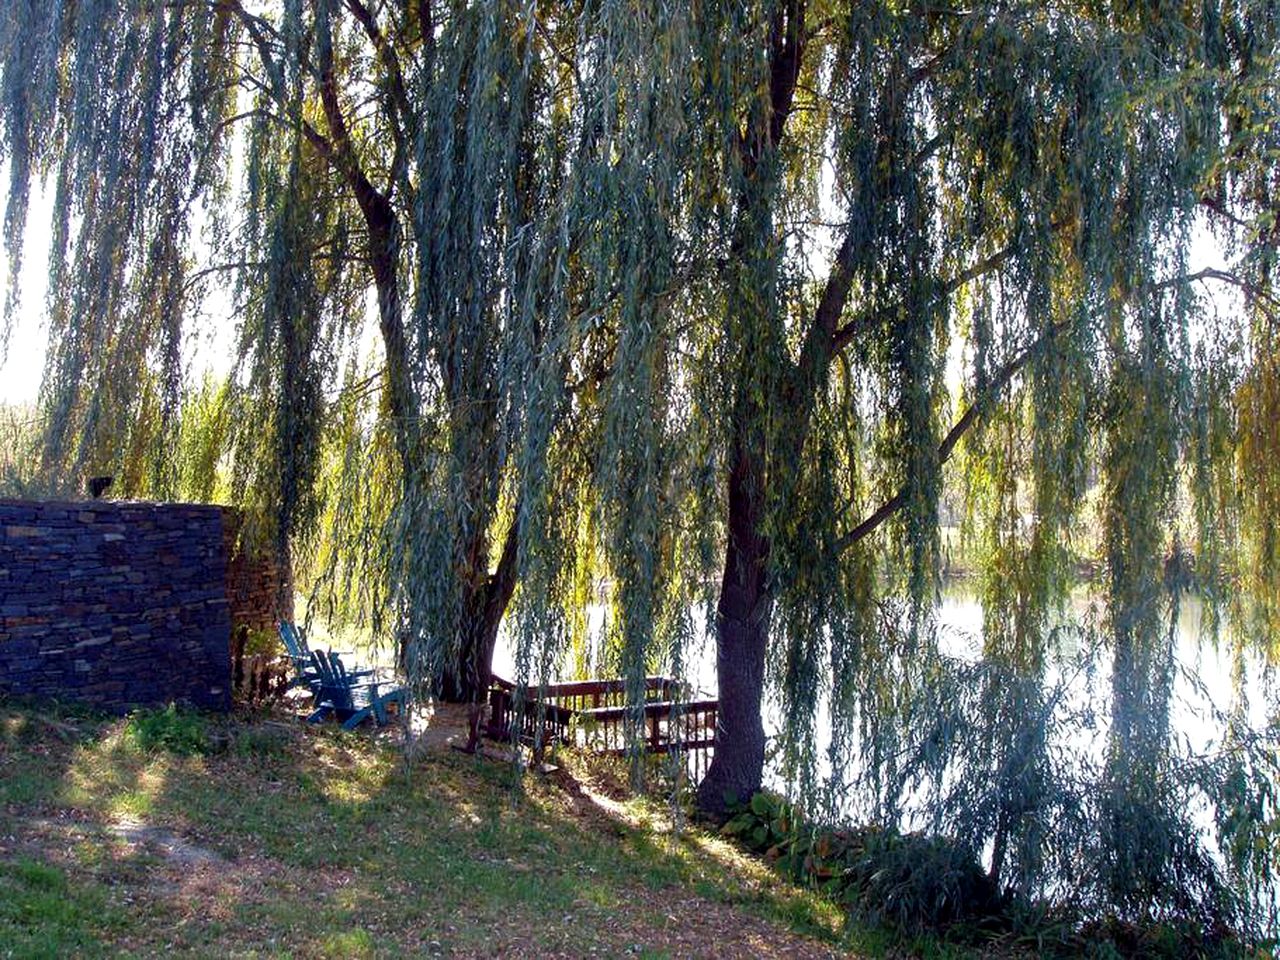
x: 788, y: 43
x: 567, y: 61
x: 426, y: 24
x: 823, y: 339
x: 1224, y: 276
x: 395, y: 78
x: 996, y: 385
x: 843, y: 336
x: 786, y: 52
x: 985, y: 400
x: 258, y: 30
x: 372, y: 202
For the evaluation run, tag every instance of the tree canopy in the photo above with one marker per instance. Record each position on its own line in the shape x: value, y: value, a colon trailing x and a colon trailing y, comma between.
x: 713, y: 302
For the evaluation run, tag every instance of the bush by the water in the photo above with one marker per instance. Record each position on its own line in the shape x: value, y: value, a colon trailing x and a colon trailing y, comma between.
x: 911, y: 881
x: 915, y: 883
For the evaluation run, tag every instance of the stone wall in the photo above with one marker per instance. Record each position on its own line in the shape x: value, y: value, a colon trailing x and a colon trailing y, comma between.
x: 259, y: 585
x: 114, y: 604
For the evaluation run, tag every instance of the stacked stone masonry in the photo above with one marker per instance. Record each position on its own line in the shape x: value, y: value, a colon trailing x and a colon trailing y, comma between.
x: 259, y: 585
x: 120, y: 604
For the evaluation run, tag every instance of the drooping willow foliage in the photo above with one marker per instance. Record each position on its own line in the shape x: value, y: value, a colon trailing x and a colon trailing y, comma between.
x: 701, y: 307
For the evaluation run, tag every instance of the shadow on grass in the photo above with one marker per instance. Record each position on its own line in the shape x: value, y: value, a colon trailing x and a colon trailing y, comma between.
x: 315, y: 842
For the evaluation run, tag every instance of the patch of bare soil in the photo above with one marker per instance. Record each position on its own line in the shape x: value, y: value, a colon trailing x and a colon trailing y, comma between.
x: 149, y: 863
x: 447, y: 727
x: 169, y: 846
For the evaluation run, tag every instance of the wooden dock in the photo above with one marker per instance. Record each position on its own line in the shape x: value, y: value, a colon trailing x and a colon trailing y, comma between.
x: 594, y: 715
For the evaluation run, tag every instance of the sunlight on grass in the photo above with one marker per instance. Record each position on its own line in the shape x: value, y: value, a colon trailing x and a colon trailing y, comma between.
x: 728, y: 855
x: 718, y: 869
x: 350, y: 791
x: 139, y: 803
x: 14, y: 728
x: 449, y: 853
x: 466, y: 815
x: 352, y: 774
x: 348, y: 946
x: 112, y: 776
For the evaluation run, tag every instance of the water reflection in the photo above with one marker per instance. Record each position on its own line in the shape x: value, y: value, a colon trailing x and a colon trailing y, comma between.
x: 1205, y: 671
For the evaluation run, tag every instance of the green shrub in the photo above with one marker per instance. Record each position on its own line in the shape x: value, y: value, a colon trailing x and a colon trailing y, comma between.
x: 1112, y: 939
x: 762, y: 823
x: 182, y: 732
x: 913, y: 882
x: 917, y: 882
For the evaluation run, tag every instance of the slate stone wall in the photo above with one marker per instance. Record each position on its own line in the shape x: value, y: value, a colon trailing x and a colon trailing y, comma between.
x: 114, y: 604
x: 259, y: 585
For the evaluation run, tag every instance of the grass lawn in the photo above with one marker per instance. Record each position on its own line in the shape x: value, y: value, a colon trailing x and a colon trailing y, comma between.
x: 308, y: 842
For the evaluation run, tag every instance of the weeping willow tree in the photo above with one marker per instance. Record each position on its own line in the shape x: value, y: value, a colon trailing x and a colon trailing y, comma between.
x: 708, y: 301
x: 356, y: 172
x: 881, y: 195
x: 1014, y: 185
x: 1017, y: 188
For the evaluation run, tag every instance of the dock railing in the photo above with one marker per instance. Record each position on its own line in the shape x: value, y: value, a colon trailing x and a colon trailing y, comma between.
x: 594, y: 715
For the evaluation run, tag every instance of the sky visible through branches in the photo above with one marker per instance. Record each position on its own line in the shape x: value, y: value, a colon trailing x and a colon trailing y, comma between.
x: 212, y: 351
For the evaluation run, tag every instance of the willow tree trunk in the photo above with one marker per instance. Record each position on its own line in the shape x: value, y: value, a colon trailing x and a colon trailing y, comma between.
x: 742, y: 612
x: 742, y: 639
x: 468, y: 678
x: 461, y: 681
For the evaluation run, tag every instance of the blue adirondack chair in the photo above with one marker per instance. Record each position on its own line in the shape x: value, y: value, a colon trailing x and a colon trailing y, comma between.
x: 349, y: 697
x: 304, y: 668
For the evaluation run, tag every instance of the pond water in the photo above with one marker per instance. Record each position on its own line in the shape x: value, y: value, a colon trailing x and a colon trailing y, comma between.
x: 1204, y: 688
x: 1209, y: 682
